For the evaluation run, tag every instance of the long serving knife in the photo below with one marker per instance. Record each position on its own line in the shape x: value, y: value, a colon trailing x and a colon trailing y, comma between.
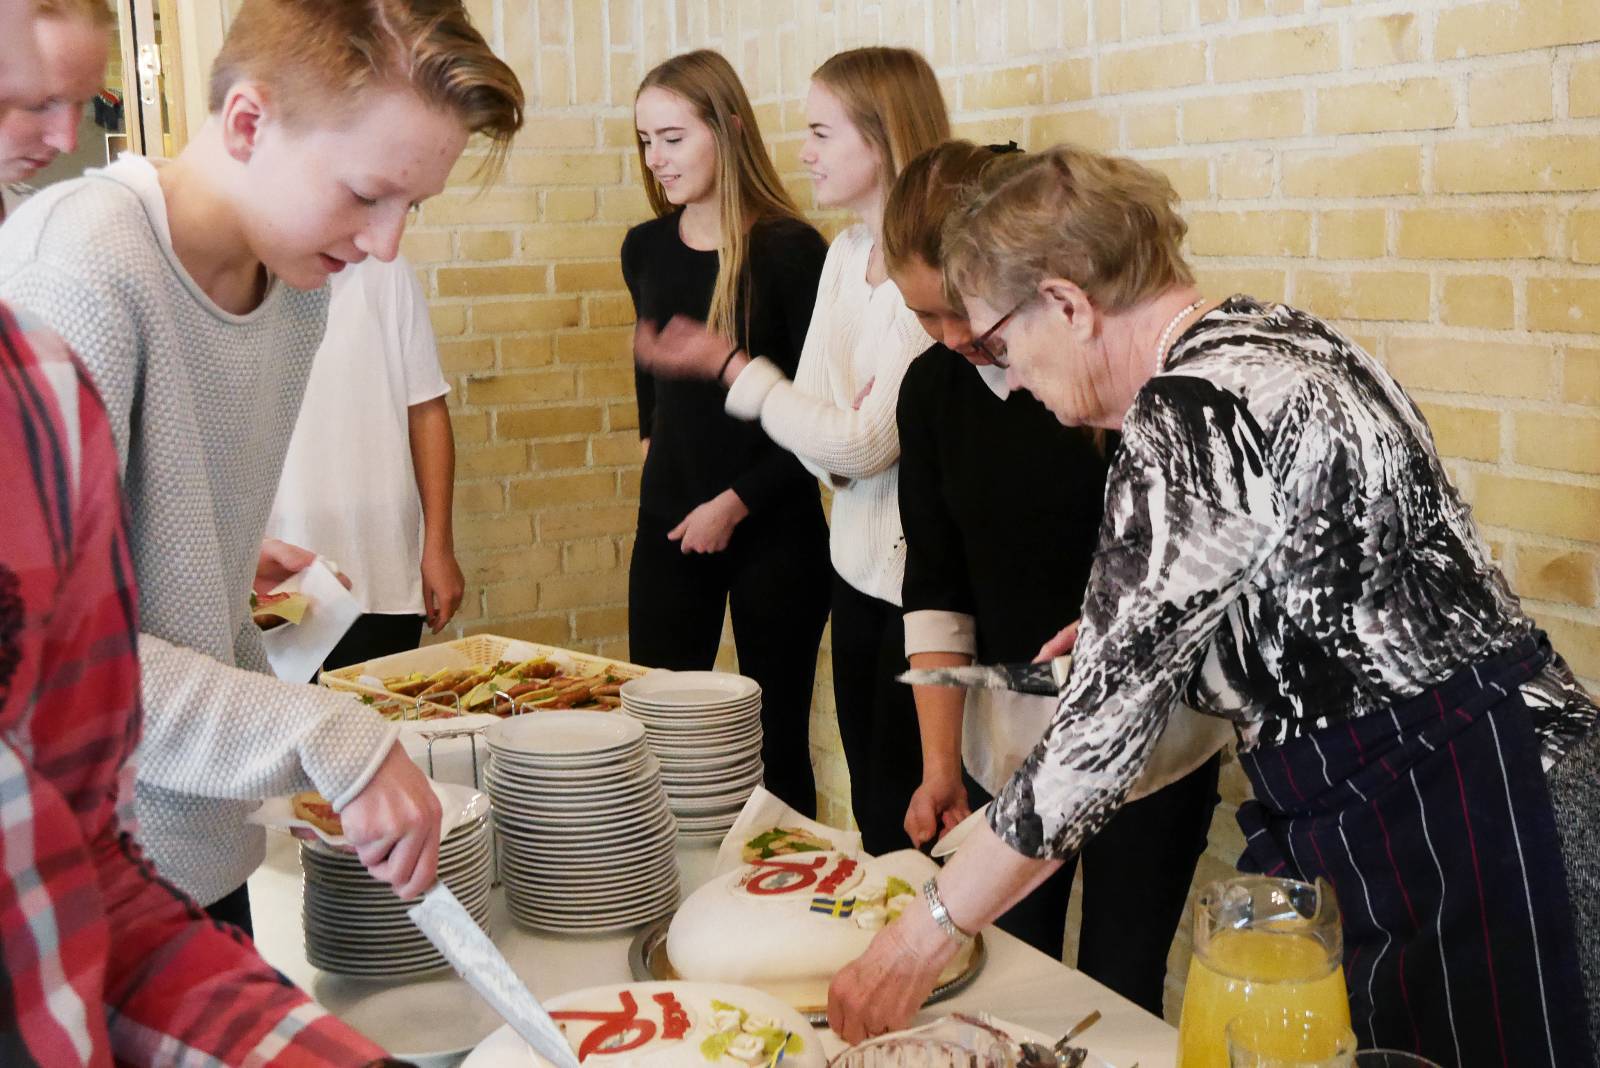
x: 1047, y: 679
x: 457, y: 935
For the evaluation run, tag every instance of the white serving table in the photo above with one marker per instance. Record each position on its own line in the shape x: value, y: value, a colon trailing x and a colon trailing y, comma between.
x: 1019, y: 984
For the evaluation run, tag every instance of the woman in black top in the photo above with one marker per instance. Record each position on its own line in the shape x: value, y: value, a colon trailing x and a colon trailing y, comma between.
x: 993, y: 565
x: 727, y: 519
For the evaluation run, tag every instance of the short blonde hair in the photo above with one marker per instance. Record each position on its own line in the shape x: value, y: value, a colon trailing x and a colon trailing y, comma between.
x: 748, y: 186
x: 1104, y: 223
x: 93, y: 11
x: 317, y: 57
x: 893, y: 98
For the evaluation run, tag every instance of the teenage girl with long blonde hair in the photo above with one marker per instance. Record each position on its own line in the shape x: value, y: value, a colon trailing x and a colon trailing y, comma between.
x: 727, y: 519
x: 869, y: 112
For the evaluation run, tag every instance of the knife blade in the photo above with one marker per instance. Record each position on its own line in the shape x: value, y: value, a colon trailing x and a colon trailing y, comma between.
x: 1046, y: 679
x: 457, y: 935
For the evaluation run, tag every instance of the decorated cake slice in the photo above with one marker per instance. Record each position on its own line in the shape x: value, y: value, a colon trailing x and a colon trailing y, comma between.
x: 665, y: 1025
x: 787, y: 924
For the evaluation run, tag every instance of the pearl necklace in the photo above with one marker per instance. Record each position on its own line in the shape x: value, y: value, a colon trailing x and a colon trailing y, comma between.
x: 1166, y: 335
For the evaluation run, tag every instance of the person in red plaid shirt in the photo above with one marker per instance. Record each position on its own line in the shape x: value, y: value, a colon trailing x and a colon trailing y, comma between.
x: 104, y: 963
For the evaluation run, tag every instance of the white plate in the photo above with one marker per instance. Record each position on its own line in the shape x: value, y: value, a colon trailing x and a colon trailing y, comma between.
x: 587, y: 904
x: 565, y: 734
x: 657, y: 725
x: 595, y: 925
x: 543, y: 862
x: 720, y: 743
x: 504, y: 1049
x: 429, y: 1022
x: 715, y: 834
x: 576, y: 835
x: 956, y: 835
x: 727, y: 783
x: 691, y: 688
x: 348, y: 866
x: 507, y: 772
x: 572, y: 807
x: 591, y: 858
x: 668, y: 709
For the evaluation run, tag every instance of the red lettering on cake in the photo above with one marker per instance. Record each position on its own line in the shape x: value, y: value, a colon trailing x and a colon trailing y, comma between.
x: 619, y: 1032
x: 674, y: 1018
x: 836, y: 878
x: 783, y: 876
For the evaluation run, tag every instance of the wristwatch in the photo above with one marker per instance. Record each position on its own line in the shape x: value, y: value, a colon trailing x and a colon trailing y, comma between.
x: 940, y: 914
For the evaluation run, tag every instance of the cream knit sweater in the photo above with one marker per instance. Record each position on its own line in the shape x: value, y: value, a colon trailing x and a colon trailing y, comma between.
x: 859, y: 333
x: 202, y: 403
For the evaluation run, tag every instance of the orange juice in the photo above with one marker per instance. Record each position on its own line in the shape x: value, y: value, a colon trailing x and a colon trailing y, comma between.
x: 1288, y: 971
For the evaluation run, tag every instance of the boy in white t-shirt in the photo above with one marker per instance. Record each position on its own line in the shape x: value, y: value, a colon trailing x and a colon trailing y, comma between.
x: 370, y: 473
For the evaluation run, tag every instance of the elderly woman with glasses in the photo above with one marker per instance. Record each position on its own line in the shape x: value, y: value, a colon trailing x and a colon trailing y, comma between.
x: 1283, y: 548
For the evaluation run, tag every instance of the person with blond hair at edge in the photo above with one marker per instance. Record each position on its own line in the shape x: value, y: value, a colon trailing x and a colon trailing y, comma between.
x: 105, y: 963
x: 728, y: 521
x: 74, y: 41
x: 869, y: 111
x: 195, y: 291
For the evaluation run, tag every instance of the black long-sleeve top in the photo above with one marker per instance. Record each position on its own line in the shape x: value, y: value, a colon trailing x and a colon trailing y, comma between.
x: 1001, y: 506
x: 697, y: 450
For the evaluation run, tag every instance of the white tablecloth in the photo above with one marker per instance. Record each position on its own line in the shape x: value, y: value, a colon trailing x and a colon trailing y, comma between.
x: 1019, y: 985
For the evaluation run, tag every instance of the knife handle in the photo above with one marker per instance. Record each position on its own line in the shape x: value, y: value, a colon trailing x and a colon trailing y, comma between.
x: 1060, y: 669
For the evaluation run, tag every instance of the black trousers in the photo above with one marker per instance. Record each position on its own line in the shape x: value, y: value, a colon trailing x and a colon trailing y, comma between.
x: 234, y: 908
x: 773, y: 578
x: 373, y: 635
x: 877, y: 716
x: 1136, y: 877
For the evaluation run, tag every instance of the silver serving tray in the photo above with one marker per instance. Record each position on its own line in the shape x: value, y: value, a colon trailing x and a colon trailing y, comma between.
x: 647, y: 960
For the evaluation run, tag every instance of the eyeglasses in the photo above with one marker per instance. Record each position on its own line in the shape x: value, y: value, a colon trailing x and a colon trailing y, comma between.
x: 981, y: 343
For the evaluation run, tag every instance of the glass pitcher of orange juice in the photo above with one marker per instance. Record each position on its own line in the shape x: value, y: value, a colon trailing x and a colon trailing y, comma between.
x: 1260, y: 943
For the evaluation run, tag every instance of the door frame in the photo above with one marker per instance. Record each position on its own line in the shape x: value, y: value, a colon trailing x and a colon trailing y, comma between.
x: 191, y: 35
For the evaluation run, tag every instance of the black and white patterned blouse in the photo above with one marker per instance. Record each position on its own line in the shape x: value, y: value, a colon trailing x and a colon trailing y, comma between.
x: 1281, y: 546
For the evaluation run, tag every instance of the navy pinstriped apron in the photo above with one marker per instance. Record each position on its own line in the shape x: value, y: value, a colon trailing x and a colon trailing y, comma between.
x: 1434, y: 825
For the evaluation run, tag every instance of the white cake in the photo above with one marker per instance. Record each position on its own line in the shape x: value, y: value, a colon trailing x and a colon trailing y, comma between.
x: 665, y: 1025
x: 788, y: 924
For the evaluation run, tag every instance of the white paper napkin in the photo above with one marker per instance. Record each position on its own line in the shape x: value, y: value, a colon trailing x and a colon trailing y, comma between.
x: 296, y: 652
x: 762, y: 813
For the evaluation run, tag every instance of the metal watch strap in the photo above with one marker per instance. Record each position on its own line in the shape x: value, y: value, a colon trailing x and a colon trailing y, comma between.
x: 940, y: 914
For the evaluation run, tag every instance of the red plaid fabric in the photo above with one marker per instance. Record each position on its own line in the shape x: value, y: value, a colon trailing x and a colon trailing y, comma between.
x: 104, y: 963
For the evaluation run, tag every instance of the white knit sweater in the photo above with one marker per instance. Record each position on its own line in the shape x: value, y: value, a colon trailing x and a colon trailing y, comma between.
x: 202, y: 403
x: 859, y: 333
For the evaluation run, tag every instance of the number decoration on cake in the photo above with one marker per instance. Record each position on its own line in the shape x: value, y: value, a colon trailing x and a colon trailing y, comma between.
x: 821, y: 873
x: 730, y: 1031
x: 625, y: 1030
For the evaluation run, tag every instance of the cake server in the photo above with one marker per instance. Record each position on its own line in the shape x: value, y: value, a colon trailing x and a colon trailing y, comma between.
x: 1047, y: 679
x: 456, y: 935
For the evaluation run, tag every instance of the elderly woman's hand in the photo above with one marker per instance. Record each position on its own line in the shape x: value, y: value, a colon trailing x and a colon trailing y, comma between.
x: 684, y: 348
x: 882, y: 989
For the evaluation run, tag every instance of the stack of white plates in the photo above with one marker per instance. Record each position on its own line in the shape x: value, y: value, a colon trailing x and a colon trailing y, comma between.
x: 354, y: 925
x: 705, y: 726
x: 586, y: 841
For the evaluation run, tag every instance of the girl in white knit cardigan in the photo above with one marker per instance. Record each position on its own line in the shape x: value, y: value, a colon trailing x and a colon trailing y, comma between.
x: 869, y: 112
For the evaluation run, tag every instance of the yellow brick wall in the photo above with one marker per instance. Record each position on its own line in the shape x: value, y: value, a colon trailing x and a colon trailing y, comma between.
x: 1423, y: 172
